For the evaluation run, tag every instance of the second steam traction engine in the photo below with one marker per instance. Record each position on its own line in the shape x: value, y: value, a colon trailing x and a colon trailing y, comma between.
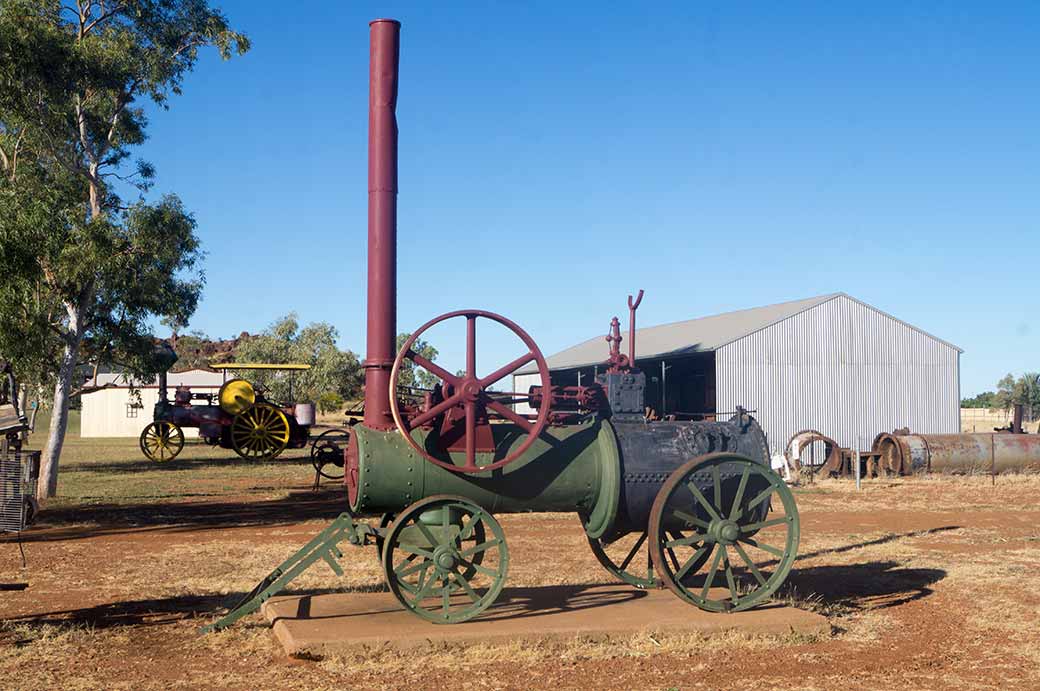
x: 693, y: 505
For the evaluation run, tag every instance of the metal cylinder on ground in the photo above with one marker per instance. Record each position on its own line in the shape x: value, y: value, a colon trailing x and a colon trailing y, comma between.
x: 959, y: 453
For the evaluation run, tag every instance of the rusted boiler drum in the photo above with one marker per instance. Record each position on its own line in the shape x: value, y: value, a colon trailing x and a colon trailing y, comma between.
x: 959, y: 453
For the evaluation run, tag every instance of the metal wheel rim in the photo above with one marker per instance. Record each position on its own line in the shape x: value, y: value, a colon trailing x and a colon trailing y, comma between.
x: 262, y: 432
x: 433, y: 581
x: 161, y: 441
x: 676, y: 575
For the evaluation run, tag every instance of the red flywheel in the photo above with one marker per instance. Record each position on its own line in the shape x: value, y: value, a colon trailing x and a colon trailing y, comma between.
x: 467, y: 405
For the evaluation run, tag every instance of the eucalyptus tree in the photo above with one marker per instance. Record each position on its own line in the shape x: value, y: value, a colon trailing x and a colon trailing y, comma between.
x: 94, y: 268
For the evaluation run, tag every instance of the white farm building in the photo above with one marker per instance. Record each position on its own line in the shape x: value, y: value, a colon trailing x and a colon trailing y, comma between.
x: 830, y: 363
x: 122, y: 409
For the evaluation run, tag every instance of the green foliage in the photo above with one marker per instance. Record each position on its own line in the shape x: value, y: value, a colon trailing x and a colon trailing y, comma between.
x: 330, y: 402
x: 986, y: 399
x: 333, y: 371
x: 86, y: 270
x: 1025, y: 390
x: 409, y: 374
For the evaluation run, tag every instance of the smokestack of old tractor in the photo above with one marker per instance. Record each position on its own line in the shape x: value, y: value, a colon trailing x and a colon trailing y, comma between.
x: 384, y: 55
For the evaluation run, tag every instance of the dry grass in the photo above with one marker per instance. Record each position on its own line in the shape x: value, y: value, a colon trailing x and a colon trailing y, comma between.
x: 927, y: 581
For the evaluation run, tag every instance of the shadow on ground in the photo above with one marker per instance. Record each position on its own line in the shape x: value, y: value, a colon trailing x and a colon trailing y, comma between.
x: 118, y: 519
x: 868, y: 585
x: 231, y: 460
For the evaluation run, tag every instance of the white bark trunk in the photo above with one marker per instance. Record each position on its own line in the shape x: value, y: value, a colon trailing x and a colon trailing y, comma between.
x: 47, y: 486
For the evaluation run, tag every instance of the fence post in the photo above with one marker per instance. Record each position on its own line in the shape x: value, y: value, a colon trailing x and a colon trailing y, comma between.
x: 856, y: 461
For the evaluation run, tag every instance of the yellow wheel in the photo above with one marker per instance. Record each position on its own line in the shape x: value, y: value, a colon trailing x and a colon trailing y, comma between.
x: 162, y: 441
x: 260, y: 432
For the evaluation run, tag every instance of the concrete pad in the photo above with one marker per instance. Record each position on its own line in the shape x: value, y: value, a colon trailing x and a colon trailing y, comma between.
x: 315, y: 625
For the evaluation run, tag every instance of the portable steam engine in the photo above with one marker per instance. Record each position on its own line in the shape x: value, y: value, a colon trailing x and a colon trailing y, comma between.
x: 697, y: 500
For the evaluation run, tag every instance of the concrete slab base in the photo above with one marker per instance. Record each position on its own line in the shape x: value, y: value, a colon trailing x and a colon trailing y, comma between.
x: 315, y: 625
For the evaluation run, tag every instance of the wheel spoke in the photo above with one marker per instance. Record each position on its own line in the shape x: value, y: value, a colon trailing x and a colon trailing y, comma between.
x: 465, y: 586
x: 764, y: 547
x: 735, y: 509
x: 509, y: 414
x: 717, y: 482
x: 478, y: 568
x: 482, y: 547
x: 471, y: 345
x: 411, y: 549
x: 412, y: 566
x: 632, y: 553
x: 764, y: 524
x: 703, y: 502
x: 431, y: 367
x: 729, y: 575
x: 505, y: 370
x: 446, y: 597
x: 684, y: 541
x: 760, y: 497
x: 426, y: 533
x: 422, y: 418
x: 680, y: 573
x: 751, y: 564
x: 710, y: 578
x: 467, y: 531
x: 425, y: 591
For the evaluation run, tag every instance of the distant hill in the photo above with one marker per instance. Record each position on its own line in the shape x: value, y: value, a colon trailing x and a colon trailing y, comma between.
x: 195, y: 351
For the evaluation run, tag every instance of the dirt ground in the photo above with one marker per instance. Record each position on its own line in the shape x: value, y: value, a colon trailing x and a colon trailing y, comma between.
x: 928, y: 584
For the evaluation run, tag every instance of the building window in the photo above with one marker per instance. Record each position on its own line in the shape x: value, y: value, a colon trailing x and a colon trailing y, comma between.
x: 131, y: 409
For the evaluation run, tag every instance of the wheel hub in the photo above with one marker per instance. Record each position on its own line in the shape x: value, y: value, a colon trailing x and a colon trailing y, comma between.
x: 445, y: 558
x: 724, y: 531
x: 471, y: 389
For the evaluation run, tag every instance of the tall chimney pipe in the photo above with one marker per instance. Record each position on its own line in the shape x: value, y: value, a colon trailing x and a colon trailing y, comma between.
x: 384, y: 54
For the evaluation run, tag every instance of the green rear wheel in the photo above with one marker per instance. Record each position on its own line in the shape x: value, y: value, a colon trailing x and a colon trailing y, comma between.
x: 445, y: 559
x: 715, y: 510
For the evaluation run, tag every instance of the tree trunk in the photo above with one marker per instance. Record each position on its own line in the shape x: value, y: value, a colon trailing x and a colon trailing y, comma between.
x: 23, y: 400
x: 47, y: 485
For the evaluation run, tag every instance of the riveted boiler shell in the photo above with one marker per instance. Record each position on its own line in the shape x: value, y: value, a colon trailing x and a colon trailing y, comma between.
x: 651, y: 452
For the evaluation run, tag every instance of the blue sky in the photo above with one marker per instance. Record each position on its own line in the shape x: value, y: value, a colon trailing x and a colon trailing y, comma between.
x: 557, y: 156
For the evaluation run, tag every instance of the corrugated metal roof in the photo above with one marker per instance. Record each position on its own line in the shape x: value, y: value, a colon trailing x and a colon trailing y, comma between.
x: 702, y: 335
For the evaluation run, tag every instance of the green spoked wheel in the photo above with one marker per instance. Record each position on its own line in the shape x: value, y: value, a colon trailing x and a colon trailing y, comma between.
x: 261, y: 432
x: 161, y: 441
x: 445, y: 559
x: 627, y: 559
x: 715, y: 510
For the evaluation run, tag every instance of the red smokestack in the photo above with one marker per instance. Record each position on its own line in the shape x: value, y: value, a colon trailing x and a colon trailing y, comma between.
x: 384, y: 53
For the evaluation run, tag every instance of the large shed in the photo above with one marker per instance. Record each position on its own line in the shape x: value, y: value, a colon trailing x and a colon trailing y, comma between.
x: 830, y: 363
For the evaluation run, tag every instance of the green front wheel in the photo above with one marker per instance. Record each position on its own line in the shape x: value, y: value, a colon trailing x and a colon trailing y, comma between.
x: 445, y: 559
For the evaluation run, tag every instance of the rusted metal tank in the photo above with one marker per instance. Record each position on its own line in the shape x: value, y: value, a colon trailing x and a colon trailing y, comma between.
x: 905, y: 454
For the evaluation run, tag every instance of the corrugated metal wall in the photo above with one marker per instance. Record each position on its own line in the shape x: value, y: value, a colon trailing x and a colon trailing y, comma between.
x: 844, y: 369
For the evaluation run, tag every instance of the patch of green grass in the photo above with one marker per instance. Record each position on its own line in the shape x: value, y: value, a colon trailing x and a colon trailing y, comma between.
x: 113, y: 470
